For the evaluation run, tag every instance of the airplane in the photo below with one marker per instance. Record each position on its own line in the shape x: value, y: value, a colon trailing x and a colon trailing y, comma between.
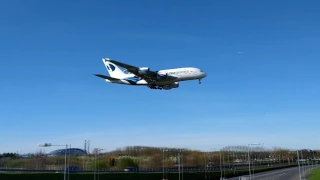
x: 162, y: 79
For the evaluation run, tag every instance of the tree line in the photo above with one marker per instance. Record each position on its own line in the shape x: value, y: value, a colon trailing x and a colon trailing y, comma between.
x: 144, y: 157
x: 10, y: 155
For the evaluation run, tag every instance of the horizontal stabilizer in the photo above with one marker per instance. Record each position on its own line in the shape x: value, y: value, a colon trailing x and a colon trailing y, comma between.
x: 106, y: 77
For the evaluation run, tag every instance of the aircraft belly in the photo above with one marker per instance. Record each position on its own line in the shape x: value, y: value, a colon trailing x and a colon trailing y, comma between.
x: 187, y: 77
x: 165, y: 82
x: 183, y: 78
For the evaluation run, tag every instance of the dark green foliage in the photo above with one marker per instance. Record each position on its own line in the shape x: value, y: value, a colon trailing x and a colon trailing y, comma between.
x: 126, y: 162
x: 113, y: 176
x: 19, y: 163
x: 9, y: 155
x: 112, y: 162
x: 129, y: 175
x: 99, y: 165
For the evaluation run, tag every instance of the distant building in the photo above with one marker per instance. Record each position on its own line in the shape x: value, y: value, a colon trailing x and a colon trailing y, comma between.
x: 72, y: 151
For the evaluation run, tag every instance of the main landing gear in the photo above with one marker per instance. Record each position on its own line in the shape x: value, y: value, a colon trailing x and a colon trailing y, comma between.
x: 155, y: 87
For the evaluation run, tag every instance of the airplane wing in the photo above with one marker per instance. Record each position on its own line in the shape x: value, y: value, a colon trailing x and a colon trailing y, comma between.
x: 150, y: 76
x: 106, y: 77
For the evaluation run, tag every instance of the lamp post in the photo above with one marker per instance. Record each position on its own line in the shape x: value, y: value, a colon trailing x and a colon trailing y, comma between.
x: 249, y: 157
x: 163, y: 164
x: 220, y: 165
x: 95, y: 160
x: 299, y: 164
x: 164, y: 170
x: 65, y: 156
x: 205, y: 165
x: 180, y: 162
x: 141, y: 158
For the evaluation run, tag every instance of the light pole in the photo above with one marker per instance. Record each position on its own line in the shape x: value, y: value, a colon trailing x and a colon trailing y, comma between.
x: 180, y: 161
x: 141, y: 158
x: 163, y: 164
x: 249, y: 157
x: 299, y: 164
x: 167, y: 150
x: 165, y: 170
x: 220, y: 165
x: 69, y: 161
x: 205, y: 165
x: 95, y: 163
x: 65, y: 156
x: 182, y: 164
x: 303, y: 165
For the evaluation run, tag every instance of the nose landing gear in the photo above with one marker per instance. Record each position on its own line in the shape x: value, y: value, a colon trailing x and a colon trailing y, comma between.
x: 199, y: 81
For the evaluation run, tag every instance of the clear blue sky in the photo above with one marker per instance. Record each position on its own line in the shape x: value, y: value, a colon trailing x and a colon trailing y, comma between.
x: 261, y: 58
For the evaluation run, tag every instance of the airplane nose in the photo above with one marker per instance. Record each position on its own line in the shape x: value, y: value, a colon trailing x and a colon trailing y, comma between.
x: 204, y: 74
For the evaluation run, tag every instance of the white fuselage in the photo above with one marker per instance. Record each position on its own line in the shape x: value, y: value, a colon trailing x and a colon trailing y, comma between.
x: 182, y: 74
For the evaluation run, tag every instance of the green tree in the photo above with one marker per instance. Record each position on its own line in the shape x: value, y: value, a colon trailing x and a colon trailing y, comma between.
x: 112, y: 162
x: 126, y: 162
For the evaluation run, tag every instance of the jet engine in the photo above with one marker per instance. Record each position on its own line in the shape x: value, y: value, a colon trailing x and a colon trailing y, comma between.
x: 143, y: 70
x: 170, y: 86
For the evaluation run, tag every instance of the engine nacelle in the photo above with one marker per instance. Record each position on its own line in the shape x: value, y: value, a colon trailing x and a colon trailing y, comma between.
x: 143, y: 70
x: 170, y: 86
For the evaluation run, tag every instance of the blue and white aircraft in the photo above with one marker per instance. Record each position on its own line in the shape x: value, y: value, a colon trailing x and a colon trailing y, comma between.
x: 162, y: 79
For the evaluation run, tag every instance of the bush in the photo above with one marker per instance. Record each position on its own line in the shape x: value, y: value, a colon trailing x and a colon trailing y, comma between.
x: 126, y: 162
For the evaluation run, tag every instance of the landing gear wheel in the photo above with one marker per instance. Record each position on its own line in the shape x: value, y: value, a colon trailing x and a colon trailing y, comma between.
x: 152, y: 87
x: 199, y: 81
x: 156, y: 87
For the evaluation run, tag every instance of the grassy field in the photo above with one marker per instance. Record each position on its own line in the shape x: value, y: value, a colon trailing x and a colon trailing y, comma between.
x: 314, y: 174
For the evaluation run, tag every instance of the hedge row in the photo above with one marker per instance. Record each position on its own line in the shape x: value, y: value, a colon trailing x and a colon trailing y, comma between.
x: 131, y: 175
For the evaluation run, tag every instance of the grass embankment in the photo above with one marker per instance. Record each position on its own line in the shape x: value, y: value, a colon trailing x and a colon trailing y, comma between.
x: 314, y: 174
